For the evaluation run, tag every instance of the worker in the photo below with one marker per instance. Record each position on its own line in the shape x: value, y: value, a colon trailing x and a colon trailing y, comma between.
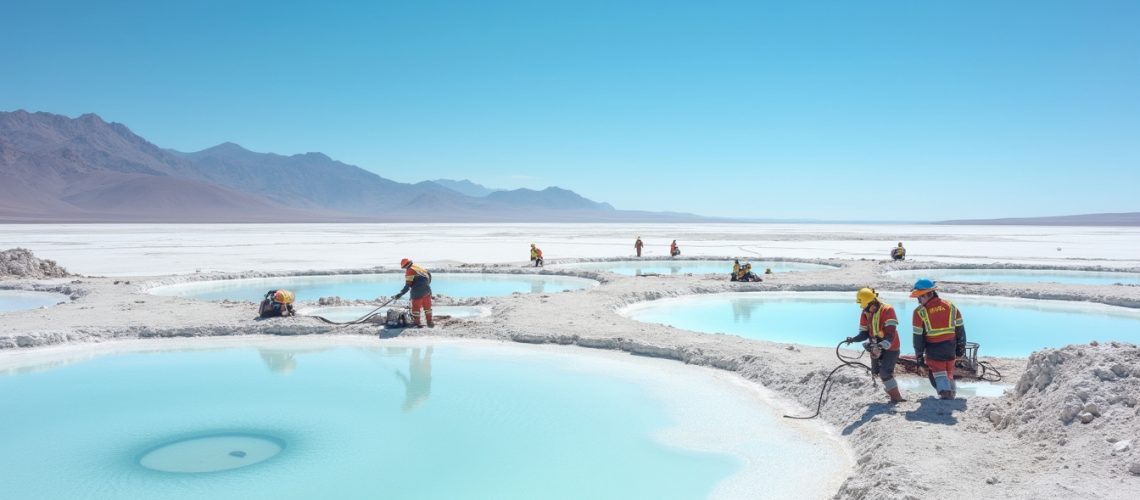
x: 939, y: 336
x: 768, y: 271
x: 277, y: 303
x: 637, y: 245
x: 674, y: 250
x: 418, y: 280
x: 898, y: 253
x: 878, y: 327
x: 536, y: 255
x: 735, y: 270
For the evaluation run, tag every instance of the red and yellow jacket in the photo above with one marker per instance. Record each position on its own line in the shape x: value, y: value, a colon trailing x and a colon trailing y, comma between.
x: 938, y: 329
x: 883, y: 325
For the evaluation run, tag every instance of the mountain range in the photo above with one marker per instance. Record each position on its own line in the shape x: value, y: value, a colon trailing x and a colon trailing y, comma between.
x: 59, y: 169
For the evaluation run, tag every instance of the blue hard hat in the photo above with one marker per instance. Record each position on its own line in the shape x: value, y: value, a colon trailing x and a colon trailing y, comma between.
x: 922, y: 286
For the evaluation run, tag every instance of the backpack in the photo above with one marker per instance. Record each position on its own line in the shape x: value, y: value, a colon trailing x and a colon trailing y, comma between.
x: 398, y: 318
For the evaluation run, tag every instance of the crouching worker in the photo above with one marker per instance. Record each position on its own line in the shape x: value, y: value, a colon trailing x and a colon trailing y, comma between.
x: 898, y: 253
x: 939, y: 337
x: 418, y: 281
x: 878, y: 326
x: 277, y: 303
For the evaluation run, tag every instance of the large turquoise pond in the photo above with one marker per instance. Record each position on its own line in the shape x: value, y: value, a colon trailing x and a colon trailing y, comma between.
x: 1003, y: 327
x: 352, y: 419
x: 372, y: 286
x: 1020, y: 276
x: 20, y: 300
x: 639, y: 268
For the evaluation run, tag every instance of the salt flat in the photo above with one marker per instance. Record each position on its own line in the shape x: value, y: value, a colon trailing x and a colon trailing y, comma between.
x: 152, y: 249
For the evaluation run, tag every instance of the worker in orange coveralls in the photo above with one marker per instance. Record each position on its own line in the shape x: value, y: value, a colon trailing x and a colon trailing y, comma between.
x: 939, y: 336
x: 418, y: 280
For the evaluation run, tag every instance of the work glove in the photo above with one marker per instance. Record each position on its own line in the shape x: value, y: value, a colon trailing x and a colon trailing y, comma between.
x: 885, y: 344
x: 848, y: 340
x: 960, y: 350
x: 920, y: 361
x: 397, y: 296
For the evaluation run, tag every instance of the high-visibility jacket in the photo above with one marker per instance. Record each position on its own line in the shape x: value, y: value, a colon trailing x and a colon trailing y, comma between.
x: 533, y: 253
x: 418, y: 280
x: 938, y: 329
x: 880, y: 326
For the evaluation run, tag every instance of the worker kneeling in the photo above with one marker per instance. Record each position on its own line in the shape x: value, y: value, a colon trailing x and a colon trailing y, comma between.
x: 277, y: 303
x: 418, y: 281
x: 939, y: 337
x: 878, y: 326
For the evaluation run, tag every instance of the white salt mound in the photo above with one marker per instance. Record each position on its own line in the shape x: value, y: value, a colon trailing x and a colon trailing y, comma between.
x: 20, y: 263
x: 1079, y: 403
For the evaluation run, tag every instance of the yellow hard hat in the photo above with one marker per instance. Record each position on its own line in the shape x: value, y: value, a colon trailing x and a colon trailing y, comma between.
x: 865, y: 296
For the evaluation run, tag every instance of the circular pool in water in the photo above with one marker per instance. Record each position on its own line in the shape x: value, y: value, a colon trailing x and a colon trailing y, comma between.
x: 445, y: 420
x: 639, y: 268
x: 1020, y: 276
x: 1003, y: 326
x: 20, y: 300
x: 372, y: 286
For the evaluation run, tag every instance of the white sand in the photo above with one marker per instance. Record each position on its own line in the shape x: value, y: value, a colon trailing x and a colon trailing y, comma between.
x: 919, y: 449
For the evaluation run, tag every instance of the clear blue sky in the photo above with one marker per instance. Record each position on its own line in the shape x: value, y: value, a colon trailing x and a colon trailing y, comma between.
x: 839, y: 110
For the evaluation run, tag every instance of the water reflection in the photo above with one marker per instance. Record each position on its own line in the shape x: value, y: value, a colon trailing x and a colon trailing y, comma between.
x: 742, y: 310
x: 417, y: 383
x: 279, y: 362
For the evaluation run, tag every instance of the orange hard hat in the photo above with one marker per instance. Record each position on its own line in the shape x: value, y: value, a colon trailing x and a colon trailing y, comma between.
x: 404, y: 263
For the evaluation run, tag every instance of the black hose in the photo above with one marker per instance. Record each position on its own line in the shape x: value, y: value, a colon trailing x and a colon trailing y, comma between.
x: 359, y: 320
x: 846, y: 362
x: 986, y: 368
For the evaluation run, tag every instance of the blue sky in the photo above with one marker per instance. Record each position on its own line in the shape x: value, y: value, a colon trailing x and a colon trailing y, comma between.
x: 834, y: 110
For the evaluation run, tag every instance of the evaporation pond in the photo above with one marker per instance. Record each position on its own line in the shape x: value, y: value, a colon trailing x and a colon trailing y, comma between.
x: 1003, y: 326
x: 639, y: 268
x: 19, y: 300
x: 345, y: 418
x: 372, y: 286
x: 1020, y: 276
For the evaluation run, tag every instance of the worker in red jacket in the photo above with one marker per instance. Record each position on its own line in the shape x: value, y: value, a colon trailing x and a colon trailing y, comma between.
x: 418, y: 281
x: 878, y: 326
x: 939, y: 336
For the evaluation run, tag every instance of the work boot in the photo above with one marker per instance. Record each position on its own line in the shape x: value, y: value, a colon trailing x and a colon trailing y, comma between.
x: 946, y: 394
x: 896, y: 396
x: 430, y: 323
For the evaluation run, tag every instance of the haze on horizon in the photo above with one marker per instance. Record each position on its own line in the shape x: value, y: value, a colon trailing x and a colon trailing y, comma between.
x: 826, y: 110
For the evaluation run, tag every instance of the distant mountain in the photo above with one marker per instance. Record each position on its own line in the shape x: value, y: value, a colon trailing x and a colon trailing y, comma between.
x: 466, y: 187
x: 59, y: 169
x: 1116, y: 219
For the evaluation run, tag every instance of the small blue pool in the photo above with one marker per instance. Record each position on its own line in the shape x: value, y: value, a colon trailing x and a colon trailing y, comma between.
x: 20, y: 300
x: 372, y: 286
x: 1003, y: 327
x: 408, y: 420
x: 1020, y: 276
x: 639, y: 268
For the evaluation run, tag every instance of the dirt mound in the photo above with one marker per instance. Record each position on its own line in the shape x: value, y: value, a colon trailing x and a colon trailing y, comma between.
x: 1081, y: 403
x: 20, y: 263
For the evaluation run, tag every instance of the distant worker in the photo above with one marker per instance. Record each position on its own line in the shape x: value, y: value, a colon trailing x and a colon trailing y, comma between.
x: 674, y: 250
x: 878, y: 326
x: 746, y: 273
x: 768, y: 271
x: 735, y: 270
x: 418, y: 280
x: 898, y: 253
x: 637, y: 246
x: 939, y: 336
x: 536, y: 255
x: 277, y: 303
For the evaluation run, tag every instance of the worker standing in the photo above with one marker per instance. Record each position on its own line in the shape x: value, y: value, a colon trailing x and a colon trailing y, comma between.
x: 674, y: 250
x: 637, y: 246
x: 898, y: 253
x: 878, y: 326
x: 536, y: 255
x: 418, y: 281
x: 939, y: 336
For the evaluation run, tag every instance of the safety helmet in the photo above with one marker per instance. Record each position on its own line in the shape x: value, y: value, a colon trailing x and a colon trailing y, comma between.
x: 865, y: 296
x: 404, y: 263
x: 922, y: 287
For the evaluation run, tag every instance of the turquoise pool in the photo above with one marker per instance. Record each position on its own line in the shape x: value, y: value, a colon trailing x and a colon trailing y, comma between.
x: 637, y: 268
x: 20, y: 300
x: 1020, y: 276
x: 318, y: 419
x: 1003, y: 327
x: 372, y: 286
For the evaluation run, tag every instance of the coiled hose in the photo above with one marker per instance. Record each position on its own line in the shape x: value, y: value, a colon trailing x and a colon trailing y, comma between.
x: 845, y: 361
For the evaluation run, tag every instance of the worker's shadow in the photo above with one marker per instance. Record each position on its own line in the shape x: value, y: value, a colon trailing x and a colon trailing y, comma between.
x: 390, y: 333
x: 873, y: 410
x: 937, y: 411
